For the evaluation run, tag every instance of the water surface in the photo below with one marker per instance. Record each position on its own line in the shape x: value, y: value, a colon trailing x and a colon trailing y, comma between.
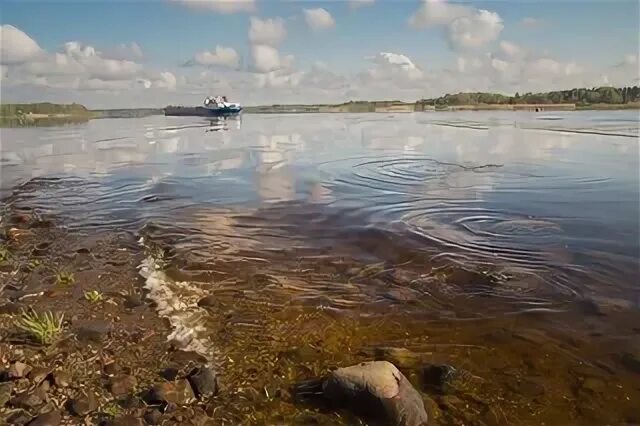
x: 475, y: 237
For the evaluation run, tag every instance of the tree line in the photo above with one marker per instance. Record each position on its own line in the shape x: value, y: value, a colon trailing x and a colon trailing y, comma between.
x: 15, y: 110
x: 581, y: 96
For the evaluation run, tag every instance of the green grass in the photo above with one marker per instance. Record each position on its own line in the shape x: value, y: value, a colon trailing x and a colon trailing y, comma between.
x: 42, y: 327
x: 112, y: 409
x: 93, y: 296
x: 64, y: 279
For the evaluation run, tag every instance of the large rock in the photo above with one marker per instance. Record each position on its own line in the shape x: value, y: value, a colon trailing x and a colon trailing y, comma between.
x: 27, y: 400
x: 376, y: 389
x: 204, y: 382
x: 18, y: 370
x: 5, y: 393
x: 93, y: 330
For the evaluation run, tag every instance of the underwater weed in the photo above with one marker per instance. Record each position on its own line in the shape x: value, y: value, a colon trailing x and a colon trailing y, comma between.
x: 93, y: 296
x: 64, y: 279
x: 4, y: 254
x: 44, y: 327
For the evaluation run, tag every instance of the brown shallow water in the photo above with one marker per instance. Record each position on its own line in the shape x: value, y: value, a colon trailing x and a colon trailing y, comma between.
x: 489, y: 241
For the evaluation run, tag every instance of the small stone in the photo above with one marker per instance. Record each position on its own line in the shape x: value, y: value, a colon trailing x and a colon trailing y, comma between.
x: 122, y: 385
x: 9, y: 308
x: 178, y: 392
x: 111, y: 368
x: 26, y: 400
x: 204, y: 382
x: 52, y: 418
x: 153, y: 417
x: 593, y: 384
x: 84, y: 404
x: 61, y: 378
x: 132, y: 301
x: 93, y: 331
x: 38, y: 374
x: 18, y: 370
x: 631, y: 361
x: 5, y: 393
x: 184, y: 357
x: 169, y: 374
x: 208, y: 301
x: 126, y: 420
x: 17, y: 418
x: 439, y: 377
x: 16, y: 234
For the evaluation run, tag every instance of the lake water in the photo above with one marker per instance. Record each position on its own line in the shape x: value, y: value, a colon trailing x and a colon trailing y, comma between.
x: 504, y: 243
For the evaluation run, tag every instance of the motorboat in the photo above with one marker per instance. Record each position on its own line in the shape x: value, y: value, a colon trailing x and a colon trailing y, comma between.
x: 219, y: 106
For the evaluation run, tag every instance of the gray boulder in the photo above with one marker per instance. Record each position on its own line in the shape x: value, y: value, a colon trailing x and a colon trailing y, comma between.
x: 378, y: 390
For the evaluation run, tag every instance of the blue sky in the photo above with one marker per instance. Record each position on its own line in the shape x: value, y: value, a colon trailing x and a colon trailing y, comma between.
x: 589, y: 36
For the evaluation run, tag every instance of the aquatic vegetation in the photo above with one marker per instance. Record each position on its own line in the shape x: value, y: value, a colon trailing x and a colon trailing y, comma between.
x: 112, y: 409
x: 43, y: 327
x: 93, y: 296
x: 64, y: 278
x: 4, y: 254
x: 33, y: 264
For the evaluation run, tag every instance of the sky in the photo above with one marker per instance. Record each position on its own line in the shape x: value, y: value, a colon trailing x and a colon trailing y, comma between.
x: 151, y: 53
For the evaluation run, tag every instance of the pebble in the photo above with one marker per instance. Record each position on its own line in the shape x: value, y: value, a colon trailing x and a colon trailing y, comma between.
x: 204, y: 381
x: 5, y: 393
x: 18, y: 370
x: 26, y: 400
x: 52, y: 418
x: 153, y: 417
x: 122, y: 385
x: 61, y: 378
x: 84, y: 404
x: 178, y: 392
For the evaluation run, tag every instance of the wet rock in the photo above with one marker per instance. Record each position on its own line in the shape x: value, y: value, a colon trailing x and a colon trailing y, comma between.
x: 27, y: 400
x: 52, y: 418
x: 93, y: 331
x: 61, y: 378
x: 631, y: 361
x: 178, y: 392
x: 376, y: 389
x: 153, y: 417
x: 208, y: 301
x: 169, y: 374
x: 401, y: 357
x: 132, y: 301
x: 83, y: 404
x: 527, y: 387
x: 38, y: 374
x: 18, y: 370
x: 204, y: 381
x: 111, y: 368
x: 593, y: 384
x: 185, y: 357
x: 129, y: 402
x: 126, y: 420
x: 15, y: 234
x: 122, y: 385
x: 401, y: 294
x: 9, y: 308
x: 5, y: 393
x: 17, y: 418
x: 300, y: 354
x: 439, y: 377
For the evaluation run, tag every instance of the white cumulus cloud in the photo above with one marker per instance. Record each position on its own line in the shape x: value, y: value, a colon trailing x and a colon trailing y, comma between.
x: 319, y: 19
x: 267, y: 59
x: 270, y: 31
x: 466, y: 27
x: 16, y: 47
x: 221, y: 56
x: 220, y: 6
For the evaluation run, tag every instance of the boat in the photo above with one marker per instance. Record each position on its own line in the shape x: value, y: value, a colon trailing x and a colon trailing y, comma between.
x: 219, y: 106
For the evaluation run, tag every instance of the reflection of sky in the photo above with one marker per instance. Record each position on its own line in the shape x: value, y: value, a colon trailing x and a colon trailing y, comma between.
x: 327, y: 158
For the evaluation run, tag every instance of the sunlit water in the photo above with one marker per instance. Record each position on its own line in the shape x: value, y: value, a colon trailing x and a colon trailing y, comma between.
x: 461, y: 216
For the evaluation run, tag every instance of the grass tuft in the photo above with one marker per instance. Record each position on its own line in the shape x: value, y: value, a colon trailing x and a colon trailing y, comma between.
x: 44, y: 327
x: 64, y: 279
x: 4, y: 254
x: 93, y: 296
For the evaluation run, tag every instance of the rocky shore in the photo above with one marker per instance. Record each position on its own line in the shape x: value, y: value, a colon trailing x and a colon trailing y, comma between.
x: 81, y: 343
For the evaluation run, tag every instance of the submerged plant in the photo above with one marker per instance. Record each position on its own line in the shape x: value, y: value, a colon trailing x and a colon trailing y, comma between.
x: 93, y: 296
x: 4, y: 254
x: 44, y: 327
x: 64, y: 279
x: 112, y: 409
